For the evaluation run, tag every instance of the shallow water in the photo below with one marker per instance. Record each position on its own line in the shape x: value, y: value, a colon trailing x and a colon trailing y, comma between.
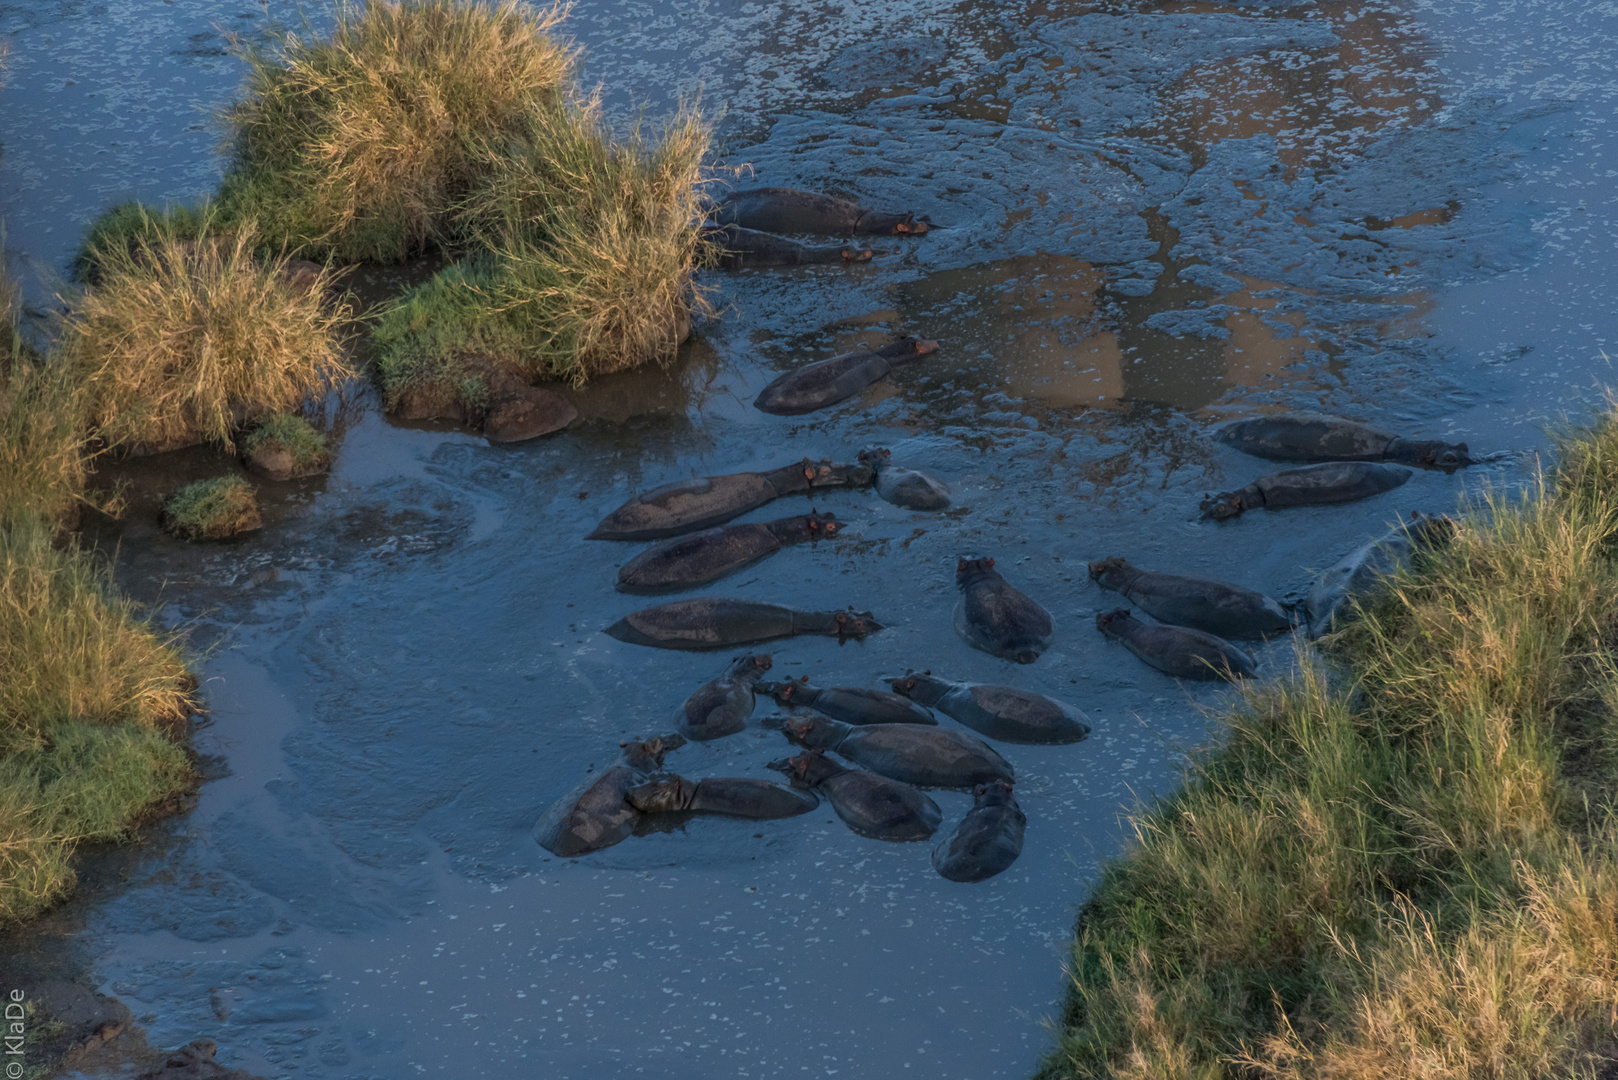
x: 1160, y: 215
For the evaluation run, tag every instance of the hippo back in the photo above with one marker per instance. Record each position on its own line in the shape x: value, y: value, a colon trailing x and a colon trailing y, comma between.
x: 592, y: 816
x: 1210, y: 606
x: 788, y: 210
x: 911, y: 489
x: 1306, y: 437
x: 930, y: 757
x: 696, y: 559
x: 822, y: 383
x: 881, y: 808
x: 1016, y: 716
x: 685, y: 506
x: 987, y: 841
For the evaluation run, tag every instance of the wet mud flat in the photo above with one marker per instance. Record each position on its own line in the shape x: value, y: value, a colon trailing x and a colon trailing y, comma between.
x: 1160, y: 216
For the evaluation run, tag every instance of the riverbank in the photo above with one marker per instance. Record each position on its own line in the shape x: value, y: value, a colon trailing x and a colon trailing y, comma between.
x: 1404, y: 863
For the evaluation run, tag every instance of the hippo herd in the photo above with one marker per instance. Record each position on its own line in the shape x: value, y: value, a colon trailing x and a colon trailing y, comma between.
x: 889, y: 745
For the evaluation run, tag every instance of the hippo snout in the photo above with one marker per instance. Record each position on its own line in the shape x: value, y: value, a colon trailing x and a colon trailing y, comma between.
x: 925, y: 346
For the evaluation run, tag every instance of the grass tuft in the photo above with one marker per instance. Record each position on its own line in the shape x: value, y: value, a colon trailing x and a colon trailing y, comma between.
x: 1407, y: 872
x: 290, y: 434
x: 130, y: 226
x: 183, y: 342
x: 212, y: 509
x: 358, y: 145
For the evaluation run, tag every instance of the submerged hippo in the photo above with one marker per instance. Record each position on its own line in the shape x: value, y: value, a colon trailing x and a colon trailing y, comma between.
x: 826, y: 382
x: 1228, y: 611
x: 1000, y: 712
x: 1360, y: 571
x: 792, y: 211
x: 595, y: 815
x: 1315, y: 437
x: 688, y: 505
x: 871, y: 805
x: 987, y: 840
x: 720, y: 622
x: 699, y: 558
x: 1312, y: 485
x: 734, y: 796
x: 925, y: 756
x: 735, y: 248
x: 995, y: 617
x: 722, y: 706
x: 904, y: 487
x: 850, y: 704
x: 1177, y: 650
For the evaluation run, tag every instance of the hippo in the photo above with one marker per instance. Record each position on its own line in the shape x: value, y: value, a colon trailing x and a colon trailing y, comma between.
x: 1227, y: 611
x: 733, y: 796
x: 735, y: 248
x: 988, y: 839
x: 687, y: 561
x: 594, y: 815
x: 721, y: 622
x: 926, y: 757
x: 1316, y: 437
x: 904, y: 487
x: 722, y: 706
x: 871, y: 805
x: 1312, y: 485
x: 689, y: 505
x: 995, y: 617
x: 1177, y: 650
x: 850, y: 704
x: 1359, y: 572
x: 826, y: 382
x: 789, y: 210
x: 1000, y: 712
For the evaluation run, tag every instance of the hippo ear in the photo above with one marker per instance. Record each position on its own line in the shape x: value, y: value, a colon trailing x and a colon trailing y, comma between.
x: 622, y: 744
x: 841, y: 618
x: 1461, y: 446
x: 991, y: 564
x: 979, y: 790
x: 929, y: 671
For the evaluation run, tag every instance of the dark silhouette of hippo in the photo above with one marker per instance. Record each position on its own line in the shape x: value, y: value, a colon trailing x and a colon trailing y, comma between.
x: 687, y: 561
x: 826, y: 382
x: 850, y: 704
x: 1312, y: 485
x: 731, y: 247
x: 871, y: 805
x: 1227, y: 611
x: 1316, y: 437
x: 1363, y: 568
x: 722, y: 706
x: 595, y: 815
x: 904, y: 487
x: 688, y: 505
x: 733, y: 796
x: 995, y: 617
x: 988, y: 839
x: 924, y: 756
x: 790, y: 210
x: 721, y: 622
x: 1000, y: 712
x: 1177, y: 650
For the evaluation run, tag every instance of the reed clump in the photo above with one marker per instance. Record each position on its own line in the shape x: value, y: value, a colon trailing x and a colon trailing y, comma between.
x: 585, y: 247
x: 213, y: 509
x: 1407, y: 872
x: 184, y: 341
x: 358, y: 145
x: 289, y: 438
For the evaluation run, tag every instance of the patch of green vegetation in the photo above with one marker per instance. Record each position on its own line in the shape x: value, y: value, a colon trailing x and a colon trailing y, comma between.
x: 184, y: 341
x: 359, y: 145
x: 292, y: 433
x: 130, y: 226
x: 1409, y: 870
x: 588, y: 245
x: 212, y: 509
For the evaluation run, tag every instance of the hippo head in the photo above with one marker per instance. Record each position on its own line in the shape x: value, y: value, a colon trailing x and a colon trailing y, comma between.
x: 1106, y: 620
x: 807, y: 769
x: 908, y: 224
x: 661, y: 795
x: 855, y: 624
x: 1445, y: 456
x: 813, y: 732
x: 875, y: 456
x: 966, y: 570
x: 922, y: 346
x: 821, y: 525
x: 1111, y: 563
x: 751, y: 667
x: 1222, y: 507
x: 824, y: 473
x: 648, y: 753
x: 856, y: 254
x: 994, y: 793
x: 786, y: 691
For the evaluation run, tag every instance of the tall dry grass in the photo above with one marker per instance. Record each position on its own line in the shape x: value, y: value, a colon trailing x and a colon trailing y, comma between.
x: 358, y: 145
x: 185, y: 341
x: 587, y: 250
x: 1405, y: 872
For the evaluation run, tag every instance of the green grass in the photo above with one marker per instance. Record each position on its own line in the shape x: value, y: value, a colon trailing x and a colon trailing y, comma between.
x: 587, y: 248
x: 359, y: 145
x: 131, y: 226
x: 182, y: 341
x: 1409, y: 868
x: 212, y: 509
x: 293, y: 434
x: 91, y: 702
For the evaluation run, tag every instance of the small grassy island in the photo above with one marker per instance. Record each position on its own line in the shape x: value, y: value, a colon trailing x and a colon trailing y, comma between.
x: 1405, y: 864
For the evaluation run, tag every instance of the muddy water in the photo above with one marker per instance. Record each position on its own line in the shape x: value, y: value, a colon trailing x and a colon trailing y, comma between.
x: 1159, y: 216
